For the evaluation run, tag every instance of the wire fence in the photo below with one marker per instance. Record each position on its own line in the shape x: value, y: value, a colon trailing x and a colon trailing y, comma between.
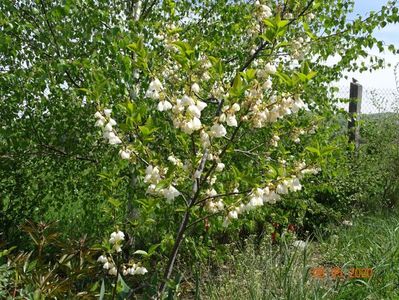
x: 373, y: 100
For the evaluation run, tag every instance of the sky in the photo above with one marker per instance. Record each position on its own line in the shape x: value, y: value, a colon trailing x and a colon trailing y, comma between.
x: 382, y: 82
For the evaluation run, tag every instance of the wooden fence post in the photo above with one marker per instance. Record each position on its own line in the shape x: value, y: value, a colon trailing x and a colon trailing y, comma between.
x: 355, y: 95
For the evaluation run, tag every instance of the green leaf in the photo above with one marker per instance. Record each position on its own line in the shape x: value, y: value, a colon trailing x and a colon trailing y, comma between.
x: 327, y: 150
x: 102, y: 290
x: 270, y: 23
x: 114, y: 202
x: 249, y: 74
x: 123, y: 288
x: 237, y: 83
x: 152, y: 249
x: 142, y: 252
x: 145, y: 130
x: 282, y: 23
x: 313, y: 150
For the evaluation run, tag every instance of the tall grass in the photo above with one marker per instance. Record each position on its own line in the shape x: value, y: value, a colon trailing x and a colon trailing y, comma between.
x: 285, y: 272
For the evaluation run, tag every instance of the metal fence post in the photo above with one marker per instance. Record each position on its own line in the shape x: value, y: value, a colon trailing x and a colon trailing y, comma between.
x: 355, y: 95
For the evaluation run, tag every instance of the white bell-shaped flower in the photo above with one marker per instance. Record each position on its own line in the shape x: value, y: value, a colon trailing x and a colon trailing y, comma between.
x: 231, y: 120
x: 125, y: 154
x: 233, y: 214
x: 164, y: 105
x: 235, y: 107
x: 171, y: 193
x: 113, y: 271
x: 282, y: 189
x: 102, y: 259
x: 114, y: 140
x: 116, y: 237
x: 98, y: 115
x: 201, y: 105
x: 107, y: 112
x: 219, y: 167
x: 269, y: 68
x: 193, y: 109
x: 218, y: 130
x: 100, y: 122
x: 140, y: 271
x: 195, y: 88
x: 187, y: 101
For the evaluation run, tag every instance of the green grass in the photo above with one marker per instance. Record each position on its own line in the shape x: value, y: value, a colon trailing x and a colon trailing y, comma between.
x: 284, y: 272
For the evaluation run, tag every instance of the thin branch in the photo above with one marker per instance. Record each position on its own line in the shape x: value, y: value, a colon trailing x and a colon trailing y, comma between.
x: 146, y: 12
x: 183, y: 225
x: 63, y: 153
x: 222, y: 195
x: 310, y: 3
x: 193, y: 147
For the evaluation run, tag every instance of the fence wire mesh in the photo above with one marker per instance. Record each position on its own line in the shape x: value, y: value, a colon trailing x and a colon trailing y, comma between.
x: 374, y: 100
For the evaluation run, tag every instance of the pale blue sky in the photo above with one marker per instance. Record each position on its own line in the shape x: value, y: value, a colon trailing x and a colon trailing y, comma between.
x: 364, y: 6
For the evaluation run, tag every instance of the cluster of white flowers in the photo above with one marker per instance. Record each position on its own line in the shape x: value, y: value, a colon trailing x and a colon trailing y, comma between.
x: 289, y: 185
x: 313, y: 171
x: 187, y: 113
x: 187, y: 116
x: 108, y: 263
x: 213, y: 206
x: 175, y: 161
x: 274, y: 140
x: 217, y: 130
x: 301, y: 169
x: 205, y: 64
x: 153, y: 177
x: 171, y: 37
x: 262, y: 11
x: 105, y: 122
x: 171, y: 71
x: 259, y: 197
x: 262, y: 115
x: 299, y: 48
x: 116, y: 240
x: 154, y: 89
x: 228, y: 115
x: 134, y: 269
x: 296, y: 135
x: 268, y: 69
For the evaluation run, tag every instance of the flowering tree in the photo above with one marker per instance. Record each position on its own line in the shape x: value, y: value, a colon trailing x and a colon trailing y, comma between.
x: 210, y: 109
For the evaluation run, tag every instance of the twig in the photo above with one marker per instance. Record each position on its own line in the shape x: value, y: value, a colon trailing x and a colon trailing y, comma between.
x: 183, y: 225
